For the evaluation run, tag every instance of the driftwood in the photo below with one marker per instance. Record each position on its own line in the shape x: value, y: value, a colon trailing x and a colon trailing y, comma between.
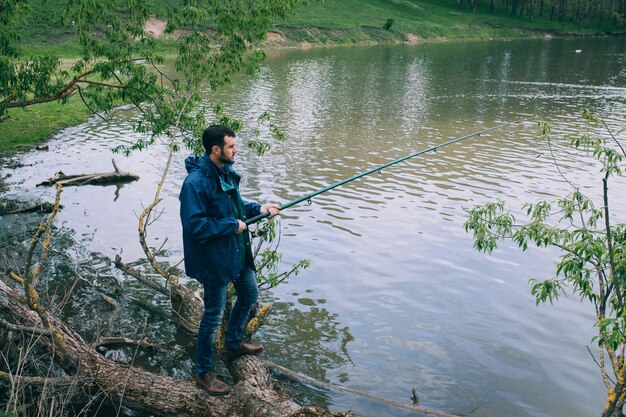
x: 15, y: 207
x: 327, y: 386
x: 102, y: 178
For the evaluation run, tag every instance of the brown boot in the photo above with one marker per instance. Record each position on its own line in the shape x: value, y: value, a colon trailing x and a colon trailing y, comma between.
x: 211, y: 384
x: 243, y: 349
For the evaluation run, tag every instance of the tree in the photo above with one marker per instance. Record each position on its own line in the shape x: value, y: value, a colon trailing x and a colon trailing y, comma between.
x: 592, y: 263
x: 582, y: 12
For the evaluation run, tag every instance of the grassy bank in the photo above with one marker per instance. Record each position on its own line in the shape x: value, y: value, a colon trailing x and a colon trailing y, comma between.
x: 29, y: 127
x: 350, y: 21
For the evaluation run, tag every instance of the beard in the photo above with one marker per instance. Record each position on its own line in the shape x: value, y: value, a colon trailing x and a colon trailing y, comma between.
x: 229, y: 161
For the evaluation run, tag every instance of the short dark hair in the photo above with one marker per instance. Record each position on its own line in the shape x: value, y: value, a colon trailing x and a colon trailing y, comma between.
x: 214, y: 136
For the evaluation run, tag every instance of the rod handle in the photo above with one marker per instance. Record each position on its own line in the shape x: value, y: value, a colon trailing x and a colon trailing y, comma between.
x: 257, y: 218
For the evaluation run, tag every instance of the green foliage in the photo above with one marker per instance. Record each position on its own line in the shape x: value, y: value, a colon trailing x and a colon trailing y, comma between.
x: 489, y: 223
x: 267, y: 258
x: 592, y: 263
x: 618, y: 18
x: 546, y: 290
x: 12, y: 16
x: 388, y: 24
x: 348, y: 21
x: 259, y: 145
x: 118, y: 62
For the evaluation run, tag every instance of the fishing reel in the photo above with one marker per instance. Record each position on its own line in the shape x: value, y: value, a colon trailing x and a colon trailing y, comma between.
x: 260, y: 230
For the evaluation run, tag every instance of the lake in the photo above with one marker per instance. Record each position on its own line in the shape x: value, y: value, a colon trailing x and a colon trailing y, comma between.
x: 396, y: 297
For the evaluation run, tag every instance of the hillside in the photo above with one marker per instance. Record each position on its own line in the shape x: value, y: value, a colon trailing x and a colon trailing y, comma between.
x: 363, y: 20
x: 350, y: 21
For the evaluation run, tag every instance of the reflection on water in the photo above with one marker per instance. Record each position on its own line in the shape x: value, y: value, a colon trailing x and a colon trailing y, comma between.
x: 310, y: 338
x: 395, y: 297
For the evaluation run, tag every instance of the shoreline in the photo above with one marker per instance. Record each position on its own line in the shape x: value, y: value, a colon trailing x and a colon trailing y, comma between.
x: 276, y: 47
x: 279, y: 40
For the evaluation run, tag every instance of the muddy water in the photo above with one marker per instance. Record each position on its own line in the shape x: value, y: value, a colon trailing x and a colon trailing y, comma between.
x: 395, y: 297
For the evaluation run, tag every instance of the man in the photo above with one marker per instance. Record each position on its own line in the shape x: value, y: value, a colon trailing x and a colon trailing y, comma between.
x: 217, y: 248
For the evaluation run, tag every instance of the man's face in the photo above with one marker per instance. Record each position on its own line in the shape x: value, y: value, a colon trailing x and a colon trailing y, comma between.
x: 228, y: 151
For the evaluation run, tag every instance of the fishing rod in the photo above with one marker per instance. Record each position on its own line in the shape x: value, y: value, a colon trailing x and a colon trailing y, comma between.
x: 308, y: 197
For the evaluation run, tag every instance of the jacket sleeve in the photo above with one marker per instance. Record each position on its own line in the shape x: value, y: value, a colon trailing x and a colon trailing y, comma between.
x: 252, y: 208
x: 195, y: 218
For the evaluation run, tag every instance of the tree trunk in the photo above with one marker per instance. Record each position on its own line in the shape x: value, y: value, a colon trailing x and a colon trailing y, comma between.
x: 254, y: 393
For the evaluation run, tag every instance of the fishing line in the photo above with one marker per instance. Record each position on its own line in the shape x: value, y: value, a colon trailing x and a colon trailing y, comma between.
x: 379, y: 168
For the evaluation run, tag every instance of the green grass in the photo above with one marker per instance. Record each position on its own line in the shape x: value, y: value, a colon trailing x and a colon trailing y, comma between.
x: 427, y: 19
x: 25, y: 128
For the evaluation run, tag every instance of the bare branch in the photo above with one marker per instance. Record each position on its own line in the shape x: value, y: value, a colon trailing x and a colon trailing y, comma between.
x: 145, y: 214
x: 25, y: 329
x: 31, y: 276
x: 335, y: 387
x: 68, y: 293
x: 162, y: 245
x: 64, y: 92
x: 612, y: 136
x: 137, y: 275
x: 112, y: 303
x: 117, y: 169
x: 605, y: 377
x: 92, y: 111
x: 557, y: 165
x: 108, y: 341
x: 120, y: 86
x: 15, y: 277
x: 614, y: 278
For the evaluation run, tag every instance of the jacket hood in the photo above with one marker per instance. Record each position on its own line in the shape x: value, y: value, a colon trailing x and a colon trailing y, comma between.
x: 203, y: 163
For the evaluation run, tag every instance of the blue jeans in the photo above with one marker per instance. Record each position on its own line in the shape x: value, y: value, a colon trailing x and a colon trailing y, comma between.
x: 214, y: 303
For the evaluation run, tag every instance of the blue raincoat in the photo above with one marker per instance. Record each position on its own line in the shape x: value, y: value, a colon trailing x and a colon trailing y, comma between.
x: 208, y: 215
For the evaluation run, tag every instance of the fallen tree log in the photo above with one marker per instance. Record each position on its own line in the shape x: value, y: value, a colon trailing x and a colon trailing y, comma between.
x: 102, y: 178
x: 15, y: 207
x: 254, y: 393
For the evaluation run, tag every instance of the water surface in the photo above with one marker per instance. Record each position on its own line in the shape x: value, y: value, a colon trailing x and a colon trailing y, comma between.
x: 395, y: 297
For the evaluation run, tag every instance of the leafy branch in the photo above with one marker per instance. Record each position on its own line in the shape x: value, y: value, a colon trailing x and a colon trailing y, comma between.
x: 592, y: 261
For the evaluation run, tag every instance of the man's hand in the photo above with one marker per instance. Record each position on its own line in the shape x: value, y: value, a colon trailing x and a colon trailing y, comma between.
x: 242, y: 226
x: 274, y: 209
